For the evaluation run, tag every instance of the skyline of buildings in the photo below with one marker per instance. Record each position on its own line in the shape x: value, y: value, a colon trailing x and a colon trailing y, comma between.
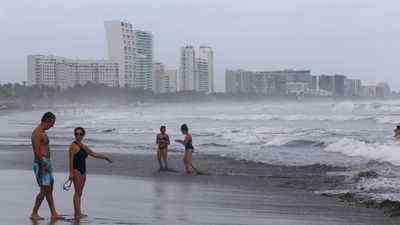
x: 130, y: 64
x: 130, y: 54
x: 299, y: 83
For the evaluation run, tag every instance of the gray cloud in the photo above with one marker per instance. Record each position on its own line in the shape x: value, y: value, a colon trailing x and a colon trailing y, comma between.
x: 358, y: 38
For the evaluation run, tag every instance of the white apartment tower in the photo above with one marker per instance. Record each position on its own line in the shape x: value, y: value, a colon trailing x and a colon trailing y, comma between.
x: 205, y: 67
x: 143, y: 77
x: 187, y: 70
x: 121, y: 49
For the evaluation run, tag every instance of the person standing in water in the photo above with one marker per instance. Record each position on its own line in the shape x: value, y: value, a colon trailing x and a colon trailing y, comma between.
x: 188, y: 143
x: 397, y: 133
x: 42, y: 166
x: 162, y: 141
x: 78, y: 152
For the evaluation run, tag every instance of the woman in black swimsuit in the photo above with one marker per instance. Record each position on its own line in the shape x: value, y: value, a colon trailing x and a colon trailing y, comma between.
x: 188, y: 143
x: 78, y: 152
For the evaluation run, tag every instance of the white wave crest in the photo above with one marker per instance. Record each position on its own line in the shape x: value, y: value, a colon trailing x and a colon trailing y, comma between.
x: 292, y: 117
x: 373, y: 151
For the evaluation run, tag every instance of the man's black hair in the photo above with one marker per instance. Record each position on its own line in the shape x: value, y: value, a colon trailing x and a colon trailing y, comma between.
x: 49, y: 116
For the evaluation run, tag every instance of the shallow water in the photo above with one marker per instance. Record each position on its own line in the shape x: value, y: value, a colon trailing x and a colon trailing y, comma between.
x: 122, y: 200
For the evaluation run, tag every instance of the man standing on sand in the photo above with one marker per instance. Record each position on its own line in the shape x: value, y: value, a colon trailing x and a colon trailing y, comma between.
x: 42, y: 166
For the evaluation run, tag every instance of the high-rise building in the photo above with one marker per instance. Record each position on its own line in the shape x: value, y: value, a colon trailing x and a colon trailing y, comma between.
x: 202, y: 72
x: 326, y: 83
x: 234, y: 81
x: 271, y: 83
x: 158, y: 73
x: 353, y: 88
x: 170, y: 80
x: 314, y: 83
x: 384, y: 90
x: 187, y: 69
x: 121, y: 49
x: 54, y: 71
x: 205, y: 68
x: 143, y: 77
x: 339, y: 84
x: 333, y: 84
x: 196, y: 69
x: 42, y: 70
x: 165, y: 80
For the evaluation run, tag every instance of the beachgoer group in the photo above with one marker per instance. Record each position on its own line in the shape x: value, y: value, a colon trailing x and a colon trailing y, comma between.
x: 78, y: 152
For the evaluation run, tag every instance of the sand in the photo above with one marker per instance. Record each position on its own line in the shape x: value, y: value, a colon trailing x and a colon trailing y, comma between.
x: 131, y: 191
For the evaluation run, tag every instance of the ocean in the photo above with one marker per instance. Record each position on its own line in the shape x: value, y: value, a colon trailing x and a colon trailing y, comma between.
x: 356, y: 135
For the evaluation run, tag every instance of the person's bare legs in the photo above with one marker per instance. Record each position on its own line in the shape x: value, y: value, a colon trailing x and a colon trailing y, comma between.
x: 79, y: 184
x: 159, y: 158
x: 164, y: 157
x: 50, y: 202
x: 187, y: 160
x: 38, y: 202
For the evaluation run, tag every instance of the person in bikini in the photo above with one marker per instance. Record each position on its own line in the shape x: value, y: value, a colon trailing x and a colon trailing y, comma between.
x: 162, y: 141
x: 42, y: 167
x: 78, y: 152
x: 188, y: 143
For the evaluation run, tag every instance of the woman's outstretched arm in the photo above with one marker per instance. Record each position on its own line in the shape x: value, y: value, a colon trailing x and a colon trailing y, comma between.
x: 96, y: 155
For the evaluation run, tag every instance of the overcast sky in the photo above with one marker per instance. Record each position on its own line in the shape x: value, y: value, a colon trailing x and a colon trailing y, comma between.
x: 357, y: 38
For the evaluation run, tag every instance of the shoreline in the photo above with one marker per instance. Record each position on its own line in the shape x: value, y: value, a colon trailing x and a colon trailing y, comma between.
x: 303, y: 180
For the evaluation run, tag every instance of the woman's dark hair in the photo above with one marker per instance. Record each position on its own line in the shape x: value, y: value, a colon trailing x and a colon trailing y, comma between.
x: 47, y: 117
x: 184, y: 127
x: 80, y: 128
x: 163, y: 127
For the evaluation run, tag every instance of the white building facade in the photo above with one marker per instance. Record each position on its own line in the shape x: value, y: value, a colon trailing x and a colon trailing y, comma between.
x: 158, y: 73
x: 196, y: 69
x: 205, y: 67
x: 170, y: 84
x: 121, y: 49
x: 165, y: 80
x: 187, y: 69
x: 54, y: 71
x: 143, y: 77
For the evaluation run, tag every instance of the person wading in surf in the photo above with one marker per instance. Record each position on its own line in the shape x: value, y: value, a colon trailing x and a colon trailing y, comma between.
x: 188, y: 143
x: 162, y: 141
x: 78, y: 152
x: 397, y: 133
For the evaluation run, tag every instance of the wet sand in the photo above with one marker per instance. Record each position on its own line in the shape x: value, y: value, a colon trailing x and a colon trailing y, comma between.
x: 130, y: 191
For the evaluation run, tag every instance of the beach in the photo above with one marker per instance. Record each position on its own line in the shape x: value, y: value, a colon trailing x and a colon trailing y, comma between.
x: 265, y: 163
x: 131, y: 191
